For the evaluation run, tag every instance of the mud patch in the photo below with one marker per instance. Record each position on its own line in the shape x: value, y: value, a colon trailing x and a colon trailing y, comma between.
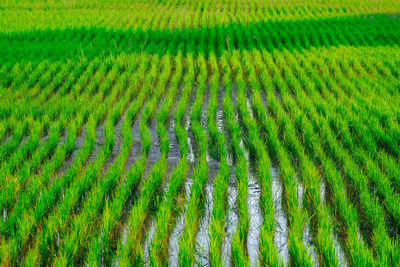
x: 281, y: 224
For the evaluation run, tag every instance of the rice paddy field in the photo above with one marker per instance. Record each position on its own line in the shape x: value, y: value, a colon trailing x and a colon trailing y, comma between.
x: 199, y: 133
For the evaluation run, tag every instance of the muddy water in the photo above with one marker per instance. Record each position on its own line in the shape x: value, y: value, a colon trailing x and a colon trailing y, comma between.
x: 256, y: 220
x: 190, y: 140
x: 255, y: 213
x: 281, y: 224
x: 231, y: 220
x: 173, y: 241
x: 322, y: 189
x: 339, y: 252
x: 232, y: 214
x: 307, y: 236
x: 203, y: 238
x: 173, y: 248
x: 154, y: 151
x: 174, y: 153
x: 4, y: 215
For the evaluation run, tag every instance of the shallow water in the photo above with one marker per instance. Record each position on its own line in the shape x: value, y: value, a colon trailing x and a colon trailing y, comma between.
x: 203, y: 238
x: 173, y: 242
x: 256, y: 219
x: 154, y: 151
x: 4, y: 215
x: 281, y: 224
x: 307, y: 236
x: 231, y: 220
x: 322, y: 190
x: 147, y: 242
x: 190, y: 152
x: 174, y: 153
x: 339, y: 252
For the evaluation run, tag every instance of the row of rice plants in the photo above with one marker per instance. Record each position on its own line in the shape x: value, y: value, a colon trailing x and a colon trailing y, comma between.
x: 239, y: 240
x: 195, y: 203
x: 221, y: 180
x: 268, y: 251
